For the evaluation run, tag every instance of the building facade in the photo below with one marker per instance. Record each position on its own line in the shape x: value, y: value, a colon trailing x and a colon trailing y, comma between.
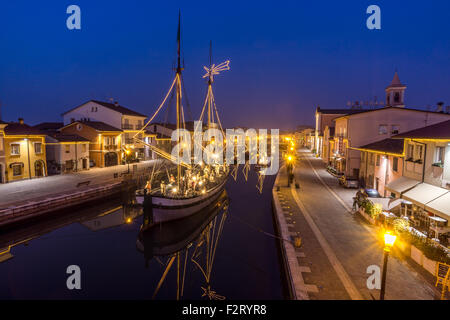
x: 115, y: 115
x: 67, y: 153
x: 381, y: 163
x: 105, y: 141
x: 426, y: 179
x: 354, y: 131
x: 24, y: 152
x: 2, y: 153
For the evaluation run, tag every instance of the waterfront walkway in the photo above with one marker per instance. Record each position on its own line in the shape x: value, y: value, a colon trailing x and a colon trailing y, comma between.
x: 338, y: 246
x: 23, y: 191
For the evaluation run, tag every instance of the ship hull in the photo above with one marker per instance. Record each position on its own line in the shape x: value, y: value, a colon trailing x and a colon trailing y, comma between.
x: 168, y: 209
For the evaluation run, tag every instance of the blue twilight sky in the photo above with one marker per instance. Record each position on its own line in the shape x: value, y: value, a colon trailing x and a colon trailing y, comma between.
x: 287, y: 57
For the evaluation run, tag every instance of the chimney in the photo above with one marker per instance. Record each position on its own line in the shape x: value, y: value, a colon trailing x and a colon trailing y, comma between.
x: 116, y: 103
x: 440, y: 107
x: 21, y: 120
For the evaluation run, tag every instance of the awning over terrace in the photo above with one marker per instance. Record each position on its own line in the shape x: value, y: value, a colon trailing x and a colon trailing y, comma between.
x: 440, y: 206
x: 424, y: 193
x: 402, y: 184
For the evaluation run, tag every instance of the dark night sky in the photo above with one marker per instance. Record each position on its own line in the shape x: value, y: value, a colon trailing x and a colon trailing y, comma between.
x: 286, y: 57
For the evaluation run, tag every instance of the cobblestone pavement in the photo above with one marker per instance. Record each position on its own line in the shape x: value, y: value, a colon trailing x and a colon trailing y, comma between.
x: 26, y: 190
x: 339, y: 246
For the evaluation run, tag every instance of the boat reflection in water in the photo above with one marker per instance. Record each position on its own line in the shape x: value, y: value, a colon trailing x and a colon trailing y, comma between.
x: 192, y: 240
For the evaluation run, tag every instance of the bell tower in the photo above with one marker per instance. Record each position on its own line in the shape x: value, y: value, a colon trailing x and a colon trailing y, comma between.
x: 395, y: 93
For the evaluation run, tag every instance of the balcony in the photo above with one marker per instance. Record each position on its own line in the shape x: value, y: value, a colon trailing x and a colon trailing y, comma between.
x: 126, y: 126
x: 111, y: 147
x: 415, y: 166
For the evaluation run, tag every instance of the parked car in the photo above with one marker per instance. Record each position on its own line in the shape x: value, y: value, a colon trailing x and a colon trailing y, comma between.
x: 333, y: 171
x: 372, y: 193
x: 349, y: 182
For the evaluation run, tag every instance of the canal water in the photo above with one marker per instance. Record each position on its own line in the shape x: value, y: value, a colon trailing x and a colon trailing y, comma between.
x: 223, y: 252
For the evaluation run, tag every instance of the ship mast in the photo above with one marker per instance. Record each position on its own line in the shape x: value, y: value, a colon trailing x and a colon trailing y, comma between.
x: 210, y: 80
x: 178, y: 82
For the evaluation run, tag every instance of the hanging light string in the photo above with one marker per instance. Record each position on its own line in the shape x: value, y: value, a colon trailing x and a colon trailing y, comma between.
x: 159, y: 108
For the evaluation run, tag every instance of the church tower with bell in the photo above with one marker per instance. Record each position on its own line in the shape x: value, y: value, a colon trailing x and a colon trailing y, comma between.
x: 395, y: 93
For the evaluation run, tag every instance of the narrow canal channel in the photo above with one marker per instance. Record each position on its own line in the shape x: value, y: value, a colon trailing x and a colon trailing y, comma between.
x: 235, y: 260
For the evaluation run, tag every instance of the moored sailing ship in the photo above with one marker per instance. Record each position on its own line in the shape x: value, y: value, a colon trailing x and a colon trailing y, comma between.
x: 180, y: 188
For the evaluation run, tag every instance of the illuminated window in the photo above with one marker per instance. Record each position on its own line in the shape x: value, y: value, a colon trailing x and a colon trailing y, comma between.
x: 439, y: 155
x: 16, y: 170
x: 67, y: 147
x: 15, y: 149
x: 38, y: 148
x: 382, y: 129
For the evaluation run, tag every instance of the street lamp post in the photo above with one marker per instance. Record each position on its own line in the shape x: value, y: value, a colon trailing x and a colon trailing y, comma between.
x: 389, y: 240
x: 128, y: 159
x: 289, y: 169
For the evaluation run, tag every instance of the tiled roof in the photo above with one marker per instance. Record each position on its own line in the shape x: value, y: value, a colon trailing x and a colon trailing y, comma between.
x: 112, y: 106
x: 119, y: 108
x: 100, y: 126
x: 386, y: 145
x: 340, y: 111
x: 15, y: 128
x: 97, y: 125
x: 68, y: 138
x: 396, y: 108
x: 436, y: 131
x: 49, y: 126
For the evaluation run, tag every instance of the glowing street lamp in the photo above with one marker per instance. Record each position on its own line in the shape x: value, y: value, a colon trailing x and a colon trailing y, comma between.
x: 389, y: 240
x: 127, y: 151
x: 289, y: 168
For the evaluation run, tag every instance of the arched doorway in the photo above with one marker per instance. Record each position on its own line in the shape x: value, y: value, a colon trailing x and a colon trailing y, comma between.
x: 39, y: 168
x: 111, y: 159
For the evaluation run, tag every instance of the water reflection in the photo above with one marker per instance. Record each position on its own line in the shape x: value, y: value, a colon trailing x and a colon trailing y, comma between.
x: 192, y: 240
x: 240, y: 263
x: 113, y: 213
